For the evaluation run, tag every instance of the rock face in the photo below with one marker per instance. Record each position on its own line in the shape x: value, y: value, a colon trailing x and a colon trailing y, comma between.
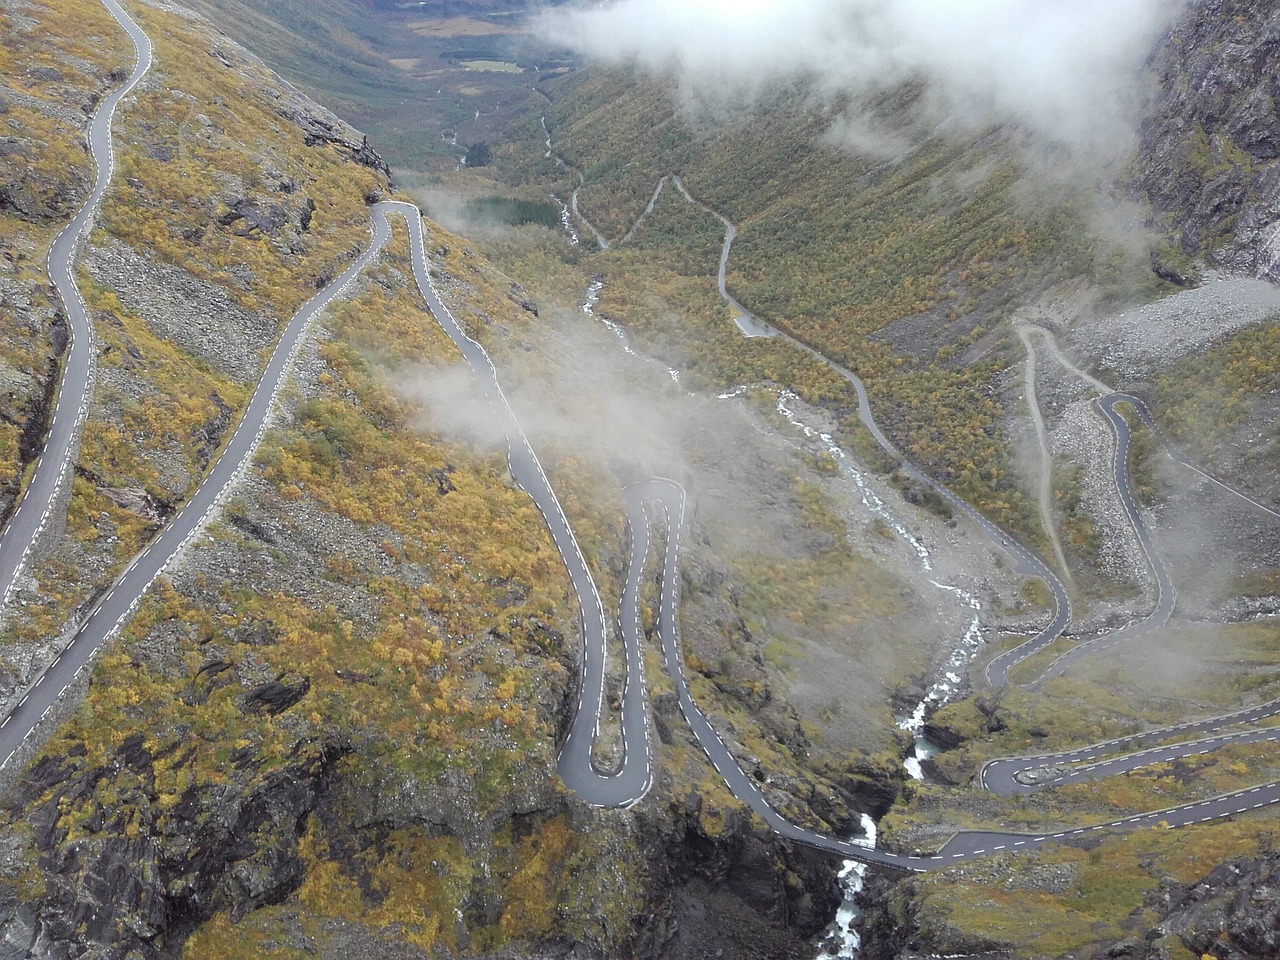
x: 116, y: 889
x: 892, y: 929
x: 740, y: 893
x: 200, y: 317
x: 319, y: 126
x: 1209, y: 149
x: 1232, y: 914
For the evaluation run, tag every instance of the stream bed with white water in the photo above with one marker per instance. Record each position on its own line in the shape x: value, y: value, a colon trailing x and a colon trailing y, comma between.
x: 842, y: 939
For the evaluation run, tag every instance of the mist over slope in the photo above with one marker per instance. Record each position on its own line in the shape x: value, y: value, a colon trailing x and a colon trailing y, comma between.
x: 1069, y: 73
x: 908, y: 270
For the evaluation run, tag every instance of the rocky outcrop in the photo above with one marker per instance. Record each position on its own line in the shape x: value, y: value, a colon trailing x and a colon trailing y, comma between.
x: 731, y: 892
x: 893, y: 929
x: 202, y: 318
x: 116, y: 889
x: 1211, y: 141
x: 324, y: 128
x: 1232, y: 914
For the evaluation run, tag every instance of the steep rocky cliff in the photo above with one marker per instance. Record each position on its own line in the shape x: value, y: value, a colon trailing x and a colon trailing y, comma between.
x: 1210, y: 144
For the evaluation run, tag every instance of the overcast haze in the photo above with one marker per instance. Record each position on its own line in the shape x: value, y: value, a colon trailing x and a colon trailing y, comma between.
x: 1064, y: 71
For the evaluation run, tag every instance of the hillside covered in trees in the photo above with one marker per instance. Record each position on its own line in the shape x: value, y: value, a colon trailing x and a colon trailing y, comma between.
x: 333, y: 726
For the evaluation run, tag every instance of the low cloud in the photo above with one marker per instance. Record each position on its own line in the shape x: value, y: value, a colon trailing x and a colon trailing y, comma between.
x: 452, y: 403
x: 1065, y: 72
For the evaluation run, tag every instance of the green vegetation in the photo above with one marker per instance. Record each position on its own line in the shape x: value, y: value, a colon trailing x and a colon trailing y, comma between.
x: 453, y: 653
x: 1061, y: 900
x: 1069, y: 897
x: 512, y: 212
x: 431, y: 662
x: 478, y: 155
x: 406, y: 75
x: 899, y: 271
x: 1212, y: 393
x: 1166, y: 677
x: 494, y: 66
x: 454, y: 644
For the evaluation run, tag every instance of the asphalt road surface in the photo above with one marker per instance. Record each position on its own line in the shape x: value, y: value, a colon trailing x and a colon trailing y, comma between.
x: 1166, y: 592
x: 40, y: 499
x: 634, y: 775
x: 113, y: 609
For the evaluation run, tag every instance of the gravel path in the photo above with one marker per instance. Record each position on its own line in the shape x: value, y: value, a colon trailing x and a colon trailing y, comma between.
x: 1045, y: 480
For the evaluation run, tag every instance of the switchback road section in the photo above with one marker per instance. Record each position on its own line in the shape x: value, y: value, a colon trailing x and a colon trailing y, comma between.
x: 634, y: 776
x: 114, y: 609
x: 52, y: 466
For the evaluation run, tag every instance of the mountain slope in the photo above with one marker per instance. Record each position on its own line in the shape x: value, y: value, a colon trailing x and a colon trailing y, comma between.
x: 334, y: 721
x: 363, y: 690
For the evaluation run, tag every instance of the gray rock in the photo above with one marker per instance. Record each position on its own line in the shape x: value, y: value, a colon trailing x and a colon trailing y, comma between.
x: 198, y: 316
x: 1211, y: 141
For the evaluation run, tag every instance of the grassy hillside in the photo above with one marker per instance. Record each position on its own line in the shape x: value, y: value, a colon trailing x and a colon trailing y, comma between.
x: 200, y: 150
x: 55, y: 67
x: 423, y: 80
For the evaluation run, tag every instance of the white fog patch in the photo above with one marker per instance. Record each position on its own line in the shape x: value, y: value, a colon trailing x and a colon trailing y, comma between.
x: 451, y: 402
x: 1068, y: 72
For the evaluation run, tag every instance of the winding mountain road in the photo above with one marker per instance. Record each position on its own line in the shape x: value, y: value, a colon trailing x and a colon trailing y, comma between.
x: 634, y: 776
x: 1026, y: 560
x: 1166, y: 592
x: 118, y: 604
x: 746, y: 321
x: 1012, y: 775
x: 1005, y: 777
x: 53, y: 465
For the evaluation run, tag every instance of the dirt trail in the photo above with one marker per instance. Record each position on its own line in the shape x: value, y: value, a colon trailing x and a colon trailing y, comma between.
x: 657, y: 192
x: 1046, y: 458
x: 1052, y: 343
